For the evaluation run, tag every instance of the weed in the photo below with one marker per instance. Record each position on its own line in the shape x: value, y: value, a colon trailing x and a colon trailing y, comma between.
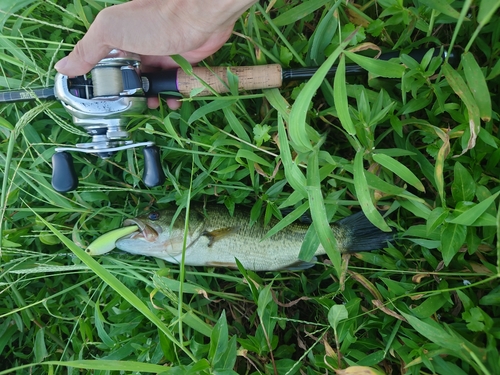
x: 418, y: 138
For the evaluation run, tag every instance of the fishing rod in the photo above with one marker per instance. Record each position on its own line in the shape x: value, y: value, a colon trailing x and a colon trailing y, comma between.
x: 115, y: 88
x: 177, y: 81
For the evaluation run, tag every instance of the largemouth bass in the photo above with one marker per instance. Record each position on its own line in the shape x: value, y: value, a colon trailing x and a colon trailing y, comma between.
x: 215, y: 238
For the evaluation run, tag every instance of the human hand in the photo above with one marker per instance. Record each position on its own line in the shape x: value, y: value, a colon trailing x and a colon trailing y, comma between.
x: 156, y: 29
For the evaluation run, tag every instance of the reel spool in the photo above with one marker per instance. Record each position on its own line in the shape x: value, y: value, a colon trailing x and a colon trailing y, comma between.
x: 99, y: 105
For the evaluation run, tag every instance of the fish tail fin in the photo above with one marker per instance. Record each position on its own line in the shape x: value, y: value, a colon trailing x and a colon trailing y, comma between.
x: 356, y: 233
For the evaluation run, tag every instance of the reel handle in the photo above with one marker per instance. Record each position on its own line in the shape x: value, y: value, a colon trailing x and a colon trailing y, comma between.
x: 153, y: 172
x: 64, y: 177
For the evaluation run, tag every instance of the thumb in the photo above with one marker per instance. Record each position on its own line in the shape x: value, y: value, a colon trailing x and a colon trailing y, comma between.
x: 91, y: 49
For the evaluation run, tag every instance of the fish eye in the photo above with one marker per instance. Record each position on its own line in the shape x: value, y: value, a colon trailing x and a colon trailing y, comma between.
x: 154, y: 216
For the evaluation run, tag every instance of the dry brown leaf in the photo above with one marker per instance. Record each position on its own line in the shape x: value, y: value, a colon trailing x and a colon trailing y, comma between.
x: 367, y: 284
x: 419, y: 276
x: 356, y: 18
x: 328, y: 349
x: 380, y: 305
x: 359, y: 370
x: 203, y: 292
x: 416, y: 297
x: 259, y: 170
x: 345, y: 266
x: 365, y: 46
x: 478, y: 268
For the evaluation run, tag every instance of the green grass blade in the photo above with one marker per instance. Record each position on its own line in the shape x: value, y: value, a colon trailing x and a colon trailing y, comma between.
x: 382, y: 68
x: 364, y: 196
x: 251, y: 157
x: 434, y: 332
x: 191, y: 320
x: 399, y: 169
x: 458, y: 85
x: 282, y: 37
x: 477, y: 85
x: 472, y: 214
x: 452, y: 239
x: 287, y: 220
x: 310, y: 244
x: 209, y: 108
x: 498, y: 242
x: 298, y: 127
x: 20, y: 58
x: 323, y: 35
x: 463, y: 17
x: 442, y: 6
x: 278, y: 102
x: 435, y: 219
x: 169, y: 128
x: 463, y: 187
x: 298, y: 12
x: 340, y: 97
x: 236, y: 125
x: 487, y: 9
x: 295, y: 177
x: 110, y: 365
x: 318, y: 213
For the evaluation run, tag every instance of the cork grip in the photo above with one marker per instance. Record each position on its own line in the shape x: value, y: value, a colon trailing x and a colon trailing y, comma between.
x: 250, y: 78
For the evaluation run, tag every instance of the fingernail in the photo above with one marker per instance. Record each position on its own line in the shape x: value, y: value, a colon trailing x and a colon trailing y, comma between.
x: 61, y: 63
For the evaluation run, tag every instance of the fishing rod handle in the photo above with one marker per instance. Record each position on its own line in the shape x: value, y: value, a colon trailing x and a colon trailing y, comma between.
x: 249, y: 78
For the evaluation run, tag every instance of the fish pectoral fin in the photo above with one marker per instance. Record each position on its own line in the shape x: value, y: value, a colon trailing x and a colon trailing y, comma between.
x: 301, y: 265
x: 217, y: 234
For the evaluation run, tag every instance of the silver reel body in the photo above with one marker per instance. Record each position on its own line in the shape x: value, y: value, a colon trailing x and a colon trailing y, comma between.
x: 101, y: 105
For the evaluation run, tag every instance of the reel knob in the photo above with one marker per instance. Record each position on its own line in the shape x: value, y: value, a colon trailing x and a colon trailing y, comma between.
x: 64, y: 177
x: 153, y: 172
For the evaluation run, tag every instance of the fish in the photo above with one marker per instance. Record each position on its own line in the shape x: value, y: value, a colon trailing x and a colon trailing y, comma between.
x: 215, y: 238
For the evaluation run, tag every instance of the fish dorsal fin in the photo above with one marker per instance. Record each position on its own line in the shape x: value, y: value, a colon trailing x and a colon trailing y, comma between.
x: 217, y: 234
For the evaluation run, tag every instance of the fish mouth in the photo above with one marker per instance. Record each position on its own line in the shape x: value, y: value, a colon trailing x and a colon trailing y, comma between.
x: 146, y: 232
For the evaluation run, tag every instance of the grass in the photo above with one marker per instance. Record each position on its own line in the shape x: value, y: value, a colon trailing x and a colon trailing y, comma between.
x: 421, y: 141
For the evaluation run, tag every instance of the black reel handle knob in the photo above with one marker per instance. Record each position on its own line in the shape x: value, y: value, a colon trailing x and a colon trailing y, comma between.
x: 64, y: 177
x: 153, y: 172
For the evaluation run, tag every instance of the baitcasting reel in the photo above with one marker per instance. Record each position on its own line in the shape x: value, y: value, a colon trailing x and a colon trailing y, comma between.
x: 100, y: 106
